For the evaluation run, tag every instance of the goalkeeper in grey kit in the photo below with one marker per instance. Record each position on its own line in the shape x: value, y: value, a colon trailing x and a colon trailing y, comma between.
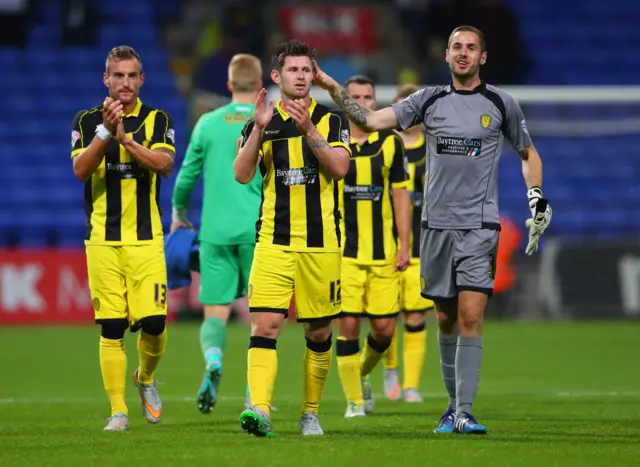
x: 466, y: 123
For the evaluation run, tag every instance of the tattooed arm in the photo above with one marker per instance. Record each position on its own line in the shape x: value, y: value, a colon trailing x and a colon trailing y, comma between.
x: 335, y: 159
x: 366, y: 119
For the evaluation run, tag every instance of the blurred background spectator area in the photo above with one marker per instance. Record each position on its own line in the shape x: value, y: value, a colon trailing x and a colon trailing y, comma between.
x: 52, y: 53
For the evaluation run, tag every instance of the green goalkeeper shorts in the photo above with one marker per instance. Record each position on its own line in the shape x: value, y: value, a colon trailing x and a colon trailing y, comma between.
x: 224, y: 272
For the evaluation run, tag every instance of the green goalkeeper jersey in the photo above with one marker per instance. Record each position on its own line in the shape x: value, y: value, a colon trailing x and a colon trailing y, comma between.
x: 229, y: 209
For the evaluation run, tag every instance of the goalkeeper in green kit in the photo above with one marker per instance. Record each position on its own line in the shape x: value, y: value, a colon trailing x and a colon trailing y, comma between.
x: 229, y: 214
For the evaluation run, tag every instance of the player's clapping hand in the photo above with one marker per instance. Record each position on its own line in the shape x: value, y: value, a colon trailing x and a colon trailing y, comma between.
x: 540, y: 218
x: 402, y: 258
x: 299, y: 112
x: 322, y: 79
x: 121, y: 135
x: 262, y: 114
x: 111, y: 114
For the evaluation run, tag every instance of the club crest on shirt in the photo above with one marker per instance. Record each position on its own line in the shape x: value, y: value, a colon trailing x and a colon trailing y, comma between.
x: 485, y: 120
x: 171, y: 134
x: 344, y: 134
x: 75, y: 136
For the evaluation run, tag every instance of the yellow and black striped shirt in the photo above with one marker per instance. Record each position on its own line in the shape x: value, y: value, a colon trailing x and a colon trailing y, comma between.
x: 300, y: 199
x: 376, y: 167
x: 121, y: 198
x: 416, y: 155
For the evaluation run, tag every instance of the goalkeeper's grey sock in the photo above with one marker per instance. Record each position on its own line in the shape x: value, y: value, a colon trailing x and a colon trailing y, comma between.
x: 448, y: 347
x: 468, y: 359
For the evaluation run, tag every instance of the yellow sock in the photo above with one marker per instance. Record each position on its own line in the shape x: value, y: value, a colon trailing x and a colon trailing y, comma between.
x: 371, y: 354
x: 348, y: 356
x: 150, y: 350
x: 390, y: 357
x: 413, y: 353
x: 113, y: 365
x: 262, y: 369
x: 317, y: 362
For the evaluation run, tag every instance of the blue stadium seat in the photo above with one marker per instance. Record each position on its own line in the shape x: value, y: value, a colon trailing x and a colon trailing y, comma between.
x: 45, y: 85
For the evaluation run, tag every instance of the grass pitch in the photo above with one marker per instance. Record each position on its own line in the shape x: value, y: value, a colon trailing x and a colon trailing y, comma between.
x: 550, y: 394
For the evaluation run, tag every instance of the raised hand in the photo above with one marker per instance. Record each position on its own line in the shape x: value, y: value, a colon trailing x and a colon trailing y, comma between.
x: 322, y: 79
x: 121, y: 135
x: 263, y: 114
x: 111, y: 113
x: 298, y: 110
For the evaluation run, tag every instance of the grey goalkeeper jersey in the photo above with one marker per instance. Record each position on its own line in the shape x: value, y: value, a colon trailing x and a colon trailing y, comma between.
x: 465, y: 131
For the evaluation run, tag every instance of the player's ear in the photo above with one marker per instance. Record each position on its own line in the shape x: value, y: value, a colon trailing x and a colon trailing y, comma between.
x: 141, y: 80
x: 275, y: 76
x: 105, y: 79
x: 483, y: 58
x: 230, y: 87
x: 446, y: 55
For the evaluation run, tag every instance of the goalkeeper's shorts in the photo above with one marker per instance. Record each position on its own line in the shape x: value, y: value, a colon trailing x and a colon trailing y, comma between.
x: 452, y: 261
x: 224, y: 272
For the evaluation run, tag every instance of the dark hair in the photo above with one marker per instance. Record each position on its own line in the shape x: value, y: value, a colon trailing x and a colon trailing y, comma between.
x: 359, y: 79
x: 476, y: 31
x: 122, y: 52
x: 292, y: 48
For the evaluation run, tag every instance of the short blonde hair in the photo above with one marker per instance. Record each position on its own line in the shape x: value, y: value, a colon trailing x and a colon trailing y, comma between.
x: 406, y: 90
x: 122, y: 52
x: 245, y: 72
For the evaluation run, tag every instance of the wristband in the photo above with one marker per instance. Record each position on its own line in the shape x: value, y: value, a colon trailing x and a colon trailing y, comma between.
x: 103, y: 133
x: 534, y: 192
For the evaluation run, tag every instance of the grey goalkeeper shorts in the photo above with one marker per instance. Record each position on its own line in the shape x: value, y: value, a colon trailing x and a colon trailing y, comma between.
x: 455, y: 260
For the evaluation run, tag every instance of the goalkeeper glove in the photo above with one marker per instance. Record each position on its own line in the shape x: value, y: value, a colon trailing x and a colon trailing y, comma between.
x: 540, y: 218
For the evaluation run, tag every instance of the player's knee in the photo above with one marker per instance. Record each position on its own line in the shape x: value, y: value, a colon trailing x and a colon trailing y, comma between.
x: 414, y: 327
x: 217, y: 311
x: 414, y: 319
x: 470, y: 316
x: 470, y: 324
x: 319, y: 342
x: 113, y: 328
x: 153, y: 325
x: 446, y: 322
x: 379, y: 343
x: 447, y: 308
x: 261, y: 342
x: 346, y: 347
x: 349, y: 327
x: 383, y: 328
x: 266, y: 325
x: 318, y: 331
